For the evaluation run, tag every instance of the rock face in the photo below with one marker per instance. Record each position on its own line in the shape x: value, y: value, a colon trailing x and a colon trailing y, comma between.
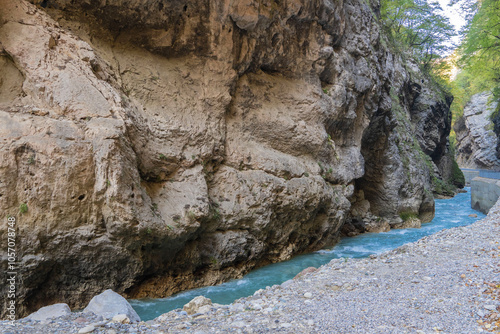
x: 476, y: 139
x: 152, y: 146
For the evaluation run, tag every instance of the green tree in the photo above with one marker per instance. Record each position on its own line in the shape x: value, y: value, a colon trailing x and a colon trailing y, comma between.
x: 418, y: 27
x: 480, y: 50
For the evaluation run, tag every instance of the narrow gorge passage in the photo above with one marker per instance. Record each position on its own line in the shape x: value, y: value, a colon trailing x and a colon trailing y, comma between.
x: 449, y: 213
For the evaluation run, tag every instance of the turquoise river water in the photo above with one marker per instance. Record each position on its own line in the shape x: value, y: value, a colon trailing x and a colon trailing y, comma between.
x: 449, y: 213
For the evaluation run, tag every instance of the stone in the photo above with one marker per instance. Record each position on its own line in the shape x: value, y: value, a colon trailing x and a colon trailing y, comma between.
x: 80, y: 320
x: 245, y: 13
x: 490, y: 307
x: 409, y: 223
x: 86, y: 329
x: 256, y: 306
x: 308, y: 295
x: 109, y: 304
x: 476, y: 141
x: 121, y: 318
x: 194, y: 305
x: 48, y: 312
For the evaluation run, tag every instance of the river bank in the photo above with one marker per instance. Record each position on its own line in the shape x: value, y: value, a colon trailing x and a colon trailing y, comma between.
x: 446, y: 282
x: 450, y: 213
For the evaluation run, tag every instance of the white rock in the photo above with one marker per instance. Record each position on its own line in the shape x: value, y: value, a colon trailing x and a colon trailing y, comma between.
x: 52, y: 311
x: 86, y: 329
x: 121, y: 318
x: 238, y: 324
x: 193, y: 306
x: 256, y: 306
x: 204, y: 309
x: 490, y: 307
x: 109, y: 303
x: 258, y: 292
x: 308, y: 295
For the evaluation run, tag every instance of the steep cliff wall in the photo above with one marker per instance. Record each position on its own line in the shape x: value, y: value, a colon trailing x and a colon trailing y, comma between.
x: 151, y: 147
x: 476, y: 140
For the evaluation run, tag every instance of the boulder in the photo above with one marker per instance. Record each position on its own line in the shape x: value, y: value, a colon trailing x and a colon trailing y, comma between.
x: 51, y: 311
x: 109, y: 304
x: 476, y: 139
x: 409, y: 223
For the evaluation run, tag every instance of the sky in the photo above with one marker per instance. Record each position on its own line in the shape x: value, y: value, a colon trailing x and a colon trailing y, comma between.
x: 454, y: 15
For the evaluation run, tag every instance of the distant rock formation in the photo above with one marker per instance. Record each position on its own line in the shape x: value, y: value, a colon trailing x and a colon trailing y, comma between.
x: 476, y: 140
x: 154, y: 146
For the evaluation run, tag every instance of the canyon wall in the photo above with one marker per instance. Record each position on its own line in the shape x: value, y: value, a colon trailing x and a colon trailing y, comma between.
x: 476, y: 139
x: 151, y: 146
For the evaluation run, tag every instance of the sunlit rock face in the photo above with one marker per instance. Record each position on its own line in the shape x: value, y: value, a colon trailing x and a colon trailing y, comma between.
x: 476, y: 139
x: 151, y: 146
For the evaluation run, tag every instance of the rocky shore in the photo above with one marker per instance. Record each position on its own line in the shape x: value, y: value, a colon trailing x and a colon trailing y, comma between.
x: 448, y: 282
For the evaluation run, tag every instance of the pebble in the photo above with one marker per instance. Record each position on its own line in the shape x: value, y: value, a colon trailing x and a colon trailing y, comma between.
x: 86, y: 329
x: 121, y: 318
x: 490, y: 307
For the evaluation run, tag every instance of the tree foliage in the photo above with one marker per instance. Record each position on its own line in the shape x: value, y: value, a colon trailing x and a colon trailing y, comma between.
x: 480, y: 50
x: 418, y: 27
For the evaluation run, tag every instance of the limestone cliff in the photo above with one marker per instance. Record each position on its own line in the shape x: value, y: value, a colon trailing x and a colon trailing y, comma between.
x: 152, y: 146
x: 476, y: 140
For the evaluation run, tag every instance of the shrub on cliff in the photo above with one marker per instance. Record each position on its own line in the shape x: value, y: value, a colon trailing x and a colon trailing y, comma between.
x: 457, y: 177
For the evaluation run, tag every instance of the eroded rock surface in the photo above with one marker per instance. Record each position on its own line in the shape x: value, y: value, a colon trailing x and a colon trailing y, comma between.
x: 150, y: 147
x: 476, y: 139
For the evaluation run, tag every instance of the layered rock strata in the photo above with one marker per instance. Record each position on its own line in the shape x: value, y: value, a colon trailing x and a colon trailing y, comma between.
x: 476, y: 140
x: 150, y: 147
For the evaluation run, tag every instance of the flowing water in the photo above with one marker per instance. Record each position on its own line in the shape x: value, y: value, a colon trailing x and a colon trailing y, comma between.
x: 449, y: 213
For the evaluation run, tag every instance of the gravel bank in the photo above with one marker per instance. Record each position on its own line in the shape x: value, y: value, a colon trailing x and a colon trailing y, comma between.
x: 448, y: 282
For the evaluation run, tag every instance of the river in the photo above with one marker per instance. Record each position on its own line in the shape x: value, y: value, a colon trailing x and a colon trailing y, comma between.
x: 449, y: 213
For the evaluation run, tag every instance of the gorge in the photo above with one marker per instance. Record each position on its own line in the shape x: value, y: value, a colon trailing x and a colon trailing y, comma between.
x: 151, y: 147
